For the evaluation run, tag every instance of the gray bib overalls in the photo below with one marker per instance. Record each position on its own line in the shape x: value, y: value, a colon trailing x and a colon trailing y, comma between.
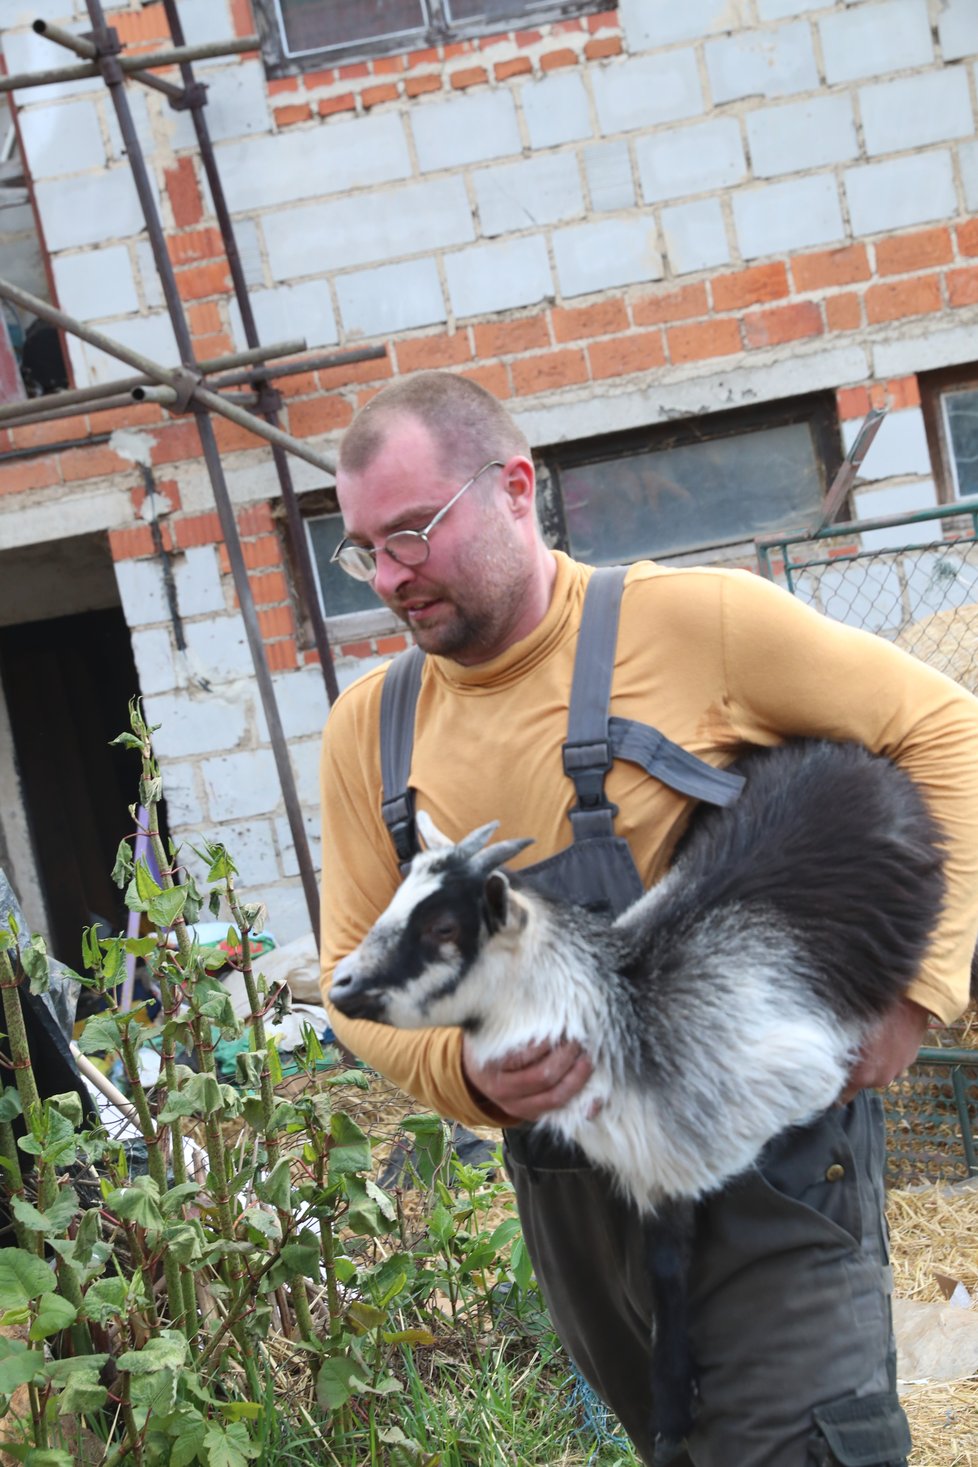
x: 790, y: 1281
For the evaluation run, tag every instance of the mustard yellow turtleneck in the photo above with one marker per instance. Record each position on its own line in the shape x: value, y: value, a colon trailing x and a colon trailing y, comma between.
x: 714, y: 659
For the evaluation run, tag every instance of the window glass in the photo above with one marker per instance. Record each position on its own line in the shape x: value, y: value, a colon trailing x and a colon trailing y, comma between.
x: 313, y: 25
x: 341, y: 594
x: 960, y: 410
x: 489, y: 10
x: 656, y: 502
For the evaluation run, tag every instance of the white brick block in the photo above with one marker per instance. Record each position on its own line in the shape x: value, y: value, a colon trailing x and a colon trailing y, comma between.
x: 301, y: 699
x: 913, y: 111
x: 369, y: 229
x: 390, y: 298
x: 900, y: 192
x: 141, y: 591
x: 762, y: 63
x: 239, y: 785
x: 197, y: 578
x: 556, y: 110
x: 91, y: 209
x: 605, y: 254
x: 899, y: 448
x: 251, y: 847
x: 183, y: 800
x: 24, y: 50
x: 191, y: 726
x: 695, y: 236
x: 957, y: 27
x: 872, y: 40
x: 923, y: 352
x: 217, y: 648
x: 801, y: 135
x: 498, y: 277
x: 141, y: 122
x: 690, y: 160
x: 305, y: 757
x: 96, y: 284
x: 59, y: 140
x: 517, y: 196
x: 237, y: 105
x: 288, y: 913
x: 333, y: 159
x: 202, y: 24
x: 149, y: 277
x: 968, y: 160
x: 898, y: 499
x: 247, y: 238
x: 650, y: 24
x: 609, y: 176
x: 283, y: 835
x: 152, y: 650
x: 151, y: 335
x: 782, y: 217
x: 782, y: 9
x: 647, y: 91
x: 289, y: 312
x: 463, y: 130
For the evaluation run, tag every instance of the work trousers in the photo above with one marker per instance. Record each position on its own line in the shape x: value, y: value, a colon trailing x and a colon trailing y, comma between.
x: 790, y: 1289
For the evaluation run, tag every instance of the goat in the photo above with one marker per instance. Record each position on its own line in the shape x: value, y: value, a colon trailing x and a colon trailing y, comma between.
x: 724, y: 1006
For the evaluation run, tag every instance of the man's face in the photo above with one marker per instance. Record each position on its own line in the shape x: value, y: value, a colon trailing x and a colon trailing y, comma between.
x: 466, y: 600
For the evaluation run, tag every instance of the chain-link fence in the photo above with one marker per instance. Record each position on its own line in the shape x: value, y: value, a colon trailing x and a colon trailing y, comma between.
x: 914, y: 580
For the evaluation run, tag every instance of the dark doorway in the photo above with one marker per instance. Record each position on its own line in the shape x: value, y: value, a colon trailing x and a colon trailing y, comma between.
x: 68, y: 682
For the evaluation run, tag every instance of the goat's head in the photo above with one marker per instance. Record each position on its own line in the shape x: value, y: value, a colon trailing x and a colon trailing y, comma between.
x: 454, y: 900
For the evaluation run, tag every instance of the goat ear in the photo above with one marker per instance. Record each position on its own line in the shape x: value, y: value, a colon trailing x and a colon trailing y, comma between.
x: 497, y: 900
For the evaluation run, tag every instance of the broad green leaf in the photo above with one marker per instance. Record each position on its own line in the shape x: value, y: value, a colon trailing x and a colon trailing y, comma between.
x: 339, y: 1378
x: 10, y: 1318
x: 350, y: 1151
x: 167, y: 1352
x: 521, y: 1266
x: 53, y: 1315
x: 17, y: 1370
x: 422, y: 1337
x: 83, y: 1392
x: 23, y: 1276
x: 34, y: 959
x: 134, y: 1204
x: 370, y: 1210
x: 48, y: 1457
x: 155, y: 1390
x: 62, y: 1370
x: 105, y: 1300
x: 240, y: 1410
x: 167, y: 907
x: 122, y: 870
x: 303, y: 1256
x: 174, y: 1198
x: 430, y: 1145
x: 10, y: 1104
x: 505, y: 1233
x: 101, y: 1034
x: 230, y: 1448
x: 127, y: 740
x: 184, y: 1240
x: 266, y: 1224
x: 147, y: 887
x: 188, y: 1445
x: 364, y: 1317
x: 276, y: 1188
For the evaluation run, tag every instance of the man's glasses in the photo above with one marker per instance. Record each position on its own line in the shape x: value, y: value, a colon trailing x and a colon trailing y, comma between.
x: 406, y: 547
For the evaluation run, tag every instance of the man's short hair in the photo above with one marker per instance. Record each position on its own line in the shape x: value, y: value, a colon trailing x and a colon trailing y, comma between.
x: 469, y: 425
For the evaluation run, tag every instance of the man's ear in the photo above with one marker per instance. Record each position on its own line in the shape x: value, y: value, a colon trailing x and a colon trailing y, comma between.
x: 519, y: 483
x: 497, y: 900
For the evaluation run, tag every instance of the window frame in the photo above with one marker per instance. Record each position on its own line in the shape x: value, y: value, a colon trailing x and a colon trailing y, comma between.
x: 818, y: 410
x: 438, y: 32
x: 933, y: 386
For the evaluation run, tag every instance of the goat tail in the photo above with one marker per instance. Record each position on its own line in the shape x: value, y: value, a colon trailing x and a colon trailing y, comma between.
x: 668, y: 1241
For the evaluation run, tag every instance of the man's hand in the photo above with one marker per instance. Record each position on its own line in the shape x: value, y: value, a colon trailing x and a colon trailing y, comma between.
x: 528, y: 1082
x: 889, y: 1048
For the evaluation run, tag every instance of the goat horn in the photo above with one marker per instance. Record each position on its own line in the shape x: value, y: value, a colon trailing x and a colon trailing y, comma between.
x: 477, y: 839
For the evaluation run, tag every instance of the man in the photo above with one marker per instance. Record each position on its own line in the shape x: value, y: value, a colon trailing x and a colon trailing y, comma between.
x: 790, y: 1324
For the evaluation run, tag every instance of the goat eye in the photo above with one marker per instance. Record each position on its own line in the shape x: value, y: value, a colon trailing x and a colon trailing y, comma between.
x: 445, y: 929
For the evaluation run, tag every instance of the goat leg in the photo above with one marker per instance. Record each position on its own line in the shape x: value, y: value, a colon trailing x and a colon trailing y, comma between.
x: 668, y: 1243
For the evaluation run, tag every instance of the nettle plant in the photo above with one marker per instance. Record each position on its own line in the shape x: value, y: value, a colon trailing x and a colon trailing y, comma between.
x: 147, y: 1316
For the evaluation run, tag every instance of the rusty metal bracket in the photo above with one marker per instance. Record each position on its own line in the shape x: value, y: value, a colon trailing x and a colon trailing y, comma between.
x: 185, y: 382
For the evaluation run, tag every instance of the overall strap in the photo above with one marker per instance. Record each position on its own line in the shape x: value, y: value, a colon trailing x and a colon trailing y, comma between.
x: 398, y: 700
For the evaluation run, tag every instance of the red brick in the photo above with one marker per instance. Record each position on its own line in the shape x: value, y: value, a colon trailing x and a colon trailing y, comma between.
x: 493, y: 377
x: 845, y: 266
x: 242, y: 18
x: 281, y: 656
x: 314, y: 79
x: 903, y: 392
x: 268, y: 590
x: 967, y: 234
x: 131, y: 544
x: 567, y: 25
x: 196, y: 281
x: 447, y: 349
x: 353, y: 71
x: 843, y: 312
x: 919, y: 251
x: 262, y: 552
x: 897, y: 299
x: 195, y: 244
x: 204, y: 320
x: 527, y: 38
x: 134, y: 415
x: 852, y: 402
x: 217, y: 345
x: 184, y: 194
x: 276, y: 622
x: 502, y: 338
x: 168, y: 489
x: 391, y: 645
x: 672, y: 305
x: 301, y: 385
x: 257, y: 519
x: 551, y: 60
x: 388, y: 65
x: 314, y: 415
x: 962, y: 286
x: 233, y: 437
x: 472, y: 76
x: 457, y: 48
x: 281, y: 84
x: 603, y: 46
x: 142, y: 26
x: 95, y: 462
x: 626, y: 354
x: 176, y: 441
x: 373, y: 96
x: 548, y: 370
x: 36, y: 435
x: 356, y: 649
x: 703, y: 339
x: 346, y: 102
x: 30, y: 473
x: 605, y: 318
x: 288, y: 116
x: 516, y: 66
x: 198, y: 529
x: 602, y: 20
x: 782, y: 323
x: 371, y: 371
x: 423, y: 58
x: 415, y: 85
x: 750, y: 287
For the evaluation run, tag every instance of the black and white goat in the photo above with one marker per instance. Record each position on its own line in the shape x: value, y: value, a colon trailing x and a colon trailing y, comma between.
x: 726, y: 1005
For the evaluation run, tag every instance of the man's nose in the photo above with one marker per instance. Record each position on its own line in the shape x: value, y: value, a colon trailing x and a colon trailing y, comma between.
x: 391, y: 576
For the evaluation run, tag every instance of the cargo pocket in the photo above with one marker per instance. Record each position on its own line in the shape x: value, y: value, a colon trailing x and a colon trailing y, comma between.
x: 861, y: 1431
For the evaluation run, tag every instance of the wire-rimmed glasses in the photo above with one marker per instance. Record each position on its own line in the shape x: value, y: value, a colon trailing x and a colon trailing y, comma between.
x: 406, y: 547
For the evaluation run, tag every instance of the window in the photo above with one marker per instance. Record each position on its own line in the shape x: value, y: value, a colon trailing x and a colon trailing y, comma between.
x: 304, y: 33
x: 341, y: 595
x: 950, y: 403
x: 700, y: 485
